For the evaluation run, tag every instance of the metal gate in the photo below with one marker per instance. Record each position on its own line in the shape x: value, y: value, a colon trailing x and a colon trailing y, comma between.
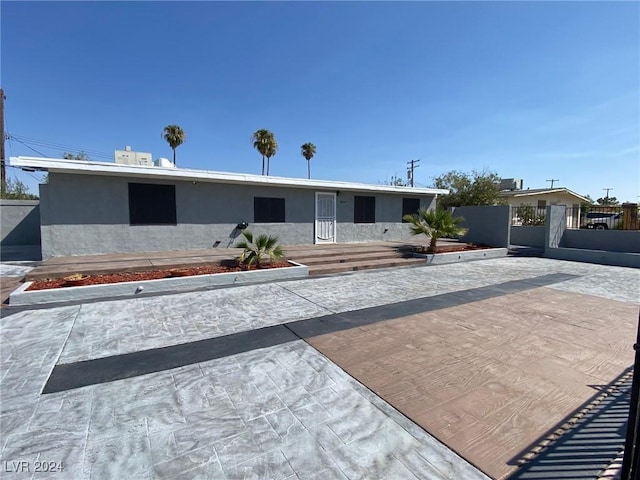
x: 631, y: 460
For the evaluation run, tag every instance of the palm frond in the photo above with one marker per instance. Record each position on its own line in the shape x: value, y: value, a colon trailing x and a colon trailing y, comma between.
x: 255, y: 251
x: 435, y: 224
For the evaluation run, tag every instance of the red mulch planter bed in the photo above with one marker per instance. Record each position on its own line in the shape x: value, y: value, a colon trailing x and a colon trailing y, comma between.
x: 150, y: 275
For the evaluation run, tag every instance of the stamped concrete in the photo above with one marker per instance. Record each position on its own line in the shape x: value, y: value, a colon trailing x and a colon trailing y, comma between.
x: 488, y: 385
x: 279, y: 412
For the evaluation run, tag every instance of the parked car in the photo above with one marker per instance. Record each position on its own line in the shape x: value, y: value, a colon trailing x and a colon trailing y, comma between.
x: 603, y: 220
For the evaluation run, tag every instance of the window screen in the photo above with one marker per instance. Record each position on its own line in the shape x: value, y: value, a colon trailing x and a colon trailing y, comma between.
x: 151, y: 204
x: 364, y: 210
x: 410, y: 206
x: 268, y: 210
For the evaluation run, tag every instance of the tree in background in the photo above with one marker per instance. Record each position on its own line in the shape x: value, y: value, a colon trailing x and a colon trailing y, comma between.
x: 586, y: 206
x: 265, y: 142
x: 608, y: 201
x: 79, y: 156
x: 396, y: 181
x: 16, y: 190
x: 175, y: 136
x: 475, y: 188
x: 308, y: 151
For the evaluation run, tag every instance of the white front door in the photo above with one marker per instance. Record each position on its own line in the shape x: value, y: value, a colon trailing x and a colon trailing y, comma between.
x: 325, y: 217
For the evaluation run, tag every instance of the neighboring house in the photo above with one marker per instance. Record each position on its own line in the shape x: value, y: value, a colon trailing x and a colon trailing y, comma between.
x: 95, y: 207
x: 543, y: 197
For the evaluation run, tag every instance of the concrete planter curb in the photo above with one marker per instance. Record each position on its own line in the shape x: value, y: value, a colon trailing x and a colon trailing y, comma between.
x: 468, y: 256
x: 164, y: 285
x: 601, y: 257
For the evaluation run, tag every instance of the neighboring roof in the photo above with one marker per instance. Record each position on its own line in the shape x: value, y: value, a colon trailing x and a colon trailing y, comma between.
x: 55, y: 165
x: 541, y: 191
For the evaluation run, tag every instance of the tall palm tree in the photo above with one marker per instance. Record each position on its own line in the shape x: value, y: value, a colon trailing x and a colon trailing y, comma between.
x: 308, y: 151
x: 175, y: 136
x: 265, y: 142
x: 435, y: 224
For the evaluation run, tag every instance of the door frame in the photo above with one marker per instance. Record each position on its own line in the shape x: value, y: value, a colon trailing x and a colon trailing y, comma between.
x: 335, y: 209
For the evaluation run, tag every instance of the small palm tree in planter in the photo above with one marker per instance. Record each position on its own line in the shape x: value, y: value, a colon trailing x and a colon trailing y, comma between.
x: 435, y: 224
x: 255, y: 252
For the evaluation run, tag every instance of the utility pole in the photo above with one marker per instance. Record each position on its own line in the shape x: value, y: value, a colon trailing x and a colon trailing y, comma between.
x: 607, y: 197
x: 413, y: 164
x: 3, y: 173
x: 552, y: 180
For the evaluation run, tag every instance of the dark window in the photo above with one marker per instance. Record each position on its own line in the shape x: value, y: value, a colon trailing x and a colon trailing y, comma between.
x: 410, y: 206
x: 268, y: 210
x: 364, y: 210
x: 151, y: 204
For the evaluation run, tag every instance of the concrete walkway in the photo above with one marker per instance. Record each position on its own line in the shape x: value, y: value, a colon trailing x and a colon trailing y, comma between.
x: 280, y: 411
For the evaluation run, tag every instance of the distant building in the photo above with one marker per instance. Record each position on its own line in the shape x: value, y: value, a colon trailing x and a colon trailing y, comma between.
x: 128, y: 157
x: 543, y: 197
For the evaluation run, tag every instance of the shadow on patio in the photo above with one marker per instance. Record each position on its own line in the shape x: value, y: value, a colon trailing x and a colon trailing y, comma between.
x: 586, y: 442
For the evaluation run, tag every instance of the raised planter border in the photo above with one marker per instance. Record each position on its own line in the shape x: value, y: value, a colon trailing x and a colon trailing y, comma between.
x: 468, y: 256
x: 22, y: 297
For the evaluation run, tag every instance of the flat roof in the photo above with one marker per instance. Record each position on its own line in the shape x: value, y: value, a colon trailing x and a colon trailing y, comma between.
x: 60, y: 165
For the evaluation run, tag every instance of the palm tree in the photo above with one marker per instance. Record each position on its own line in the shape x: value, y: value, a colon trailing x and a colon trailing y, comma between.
x: 265, y: 142
x: 175, y: 136
x: 435, y: 224
x: 255, y: 252
x: 308, y: 151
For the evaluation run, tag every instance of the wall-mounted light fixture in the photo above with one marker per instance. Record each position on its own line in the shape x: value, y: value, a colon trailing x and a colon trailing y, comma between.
x: 338, y: 192
x: 242, y: 225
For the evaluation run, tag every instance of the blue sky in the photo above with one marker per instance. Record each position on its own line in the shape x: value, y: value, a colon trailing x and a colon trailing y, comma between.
x: 532, y: 90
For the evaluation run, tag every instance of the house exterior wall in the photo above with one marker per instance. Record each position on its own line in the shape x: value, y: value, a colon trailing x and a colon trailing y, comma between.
x: 89, y: 214
x: 20, y: 222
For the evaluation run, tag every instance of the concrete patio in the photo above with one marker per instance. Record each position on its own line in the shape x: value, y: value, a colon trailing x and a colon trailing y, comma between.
x: 484, y: 357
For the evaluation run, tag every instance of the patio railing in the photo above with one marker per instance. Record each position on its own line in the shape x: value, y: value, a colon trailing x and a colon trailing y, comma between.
x: 598, y: 217
x: 619, y: 217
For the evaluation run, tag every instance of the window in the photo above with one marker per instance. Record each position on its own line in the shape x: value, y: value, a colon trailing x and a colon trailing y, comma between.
x: 410, y: 206
x: 364, y: 210
x: 542, y: 203
x: 151, y: 204
x: 268, y: 210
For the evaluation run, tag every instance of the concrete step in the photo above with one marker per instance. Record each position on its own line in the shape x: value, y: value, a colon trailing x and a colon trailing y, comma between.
x: 324, y: 252
x: 364, y: 265
x: 346, y: 257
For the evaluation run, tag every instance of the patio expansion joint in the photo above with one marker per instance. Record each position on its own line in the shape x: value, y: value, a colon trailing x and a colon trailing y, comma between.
x: 307, y: 299
x: 64, y: 345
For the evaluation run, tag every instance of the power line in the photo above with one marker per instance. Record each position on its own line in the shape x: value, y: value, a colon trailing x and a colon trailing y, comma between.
x: 56, y: 145
x: 60, y: 146
x: 11, y: 137
x: 27, y: 172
